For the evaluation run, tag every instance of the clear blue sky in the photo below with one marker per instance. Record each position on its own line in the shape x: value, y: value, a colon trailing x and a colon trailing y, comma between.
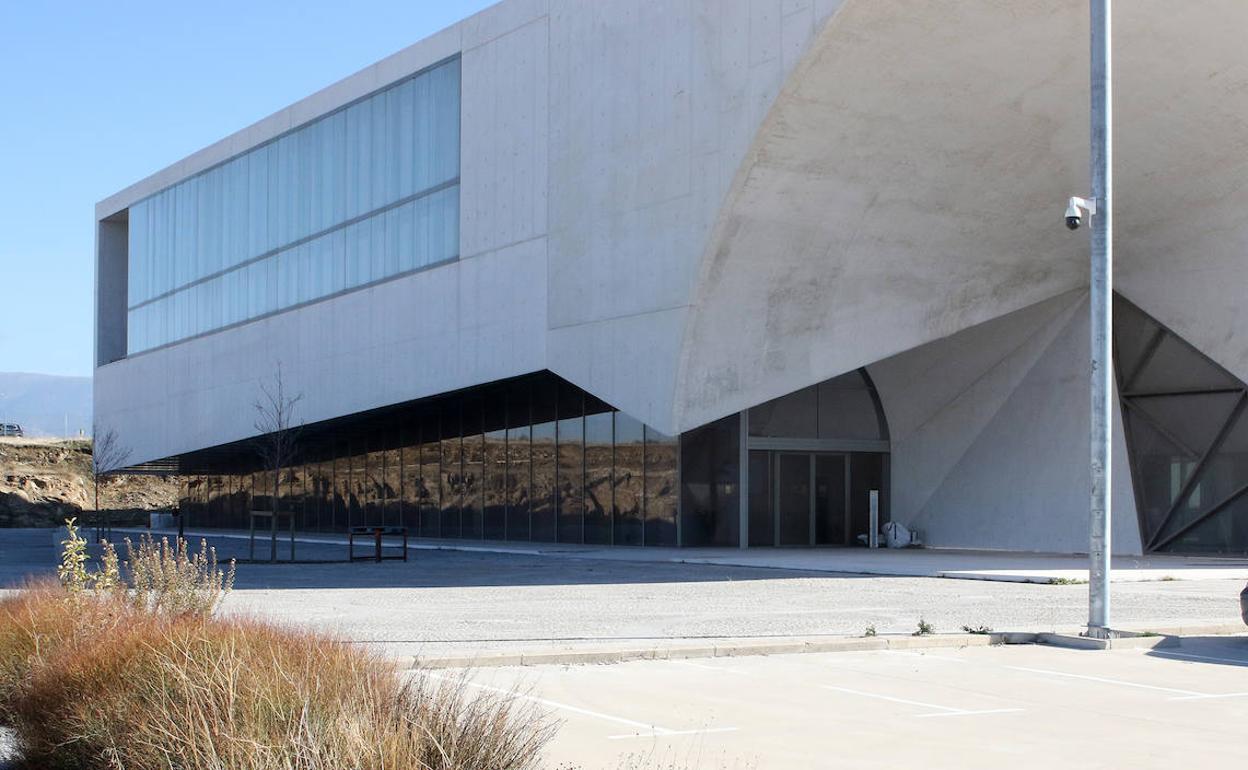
x: 99, y: 95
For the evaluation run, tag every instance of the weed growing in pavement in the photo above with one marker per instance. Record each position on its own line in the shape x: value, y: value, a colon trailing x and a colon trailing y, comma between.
x: 925, y: 628
x: 979, y: 630
x: 1061, y: 581
x: 870, y: 630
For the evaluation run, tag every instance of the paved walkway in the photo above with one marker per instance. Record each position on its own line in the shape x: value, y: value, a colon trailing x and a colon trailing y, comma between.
x: 1003, y: 566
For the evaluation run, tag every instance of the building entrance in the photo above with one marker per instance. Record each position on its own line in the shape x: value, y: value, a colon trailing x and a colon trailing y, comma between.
x: 812, y: 498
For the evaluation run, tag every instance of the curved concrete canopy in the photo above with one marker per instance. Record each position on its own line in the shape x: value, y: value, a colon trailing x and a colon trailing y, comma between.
x: 910, y: 179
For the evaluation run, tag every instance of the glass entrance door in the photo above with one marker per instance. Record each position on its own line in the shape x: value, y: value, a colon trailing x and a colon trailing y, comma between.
x: 831, y: 499
x: 794, y: 499
x: 811, y: 498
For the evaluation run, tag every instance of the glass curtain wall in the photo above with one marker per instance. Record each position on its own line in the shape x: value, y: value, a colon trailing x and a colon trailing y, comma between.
x: 533, y: 459
x: 710, y: 475
x: 364, y: 194
x: 1186, y: 425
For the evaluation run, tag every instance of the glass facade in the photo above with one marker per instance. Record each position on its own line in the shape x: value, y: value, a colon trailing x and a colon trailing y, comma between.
x: 538, y: 459
x: 1187, y: 438
x: 532, y: 459
x: 366, y: 193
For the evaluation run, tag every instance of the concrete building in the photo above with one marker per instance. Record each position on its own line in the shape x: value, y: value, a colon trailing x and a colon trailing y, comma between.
x: 707, y: 272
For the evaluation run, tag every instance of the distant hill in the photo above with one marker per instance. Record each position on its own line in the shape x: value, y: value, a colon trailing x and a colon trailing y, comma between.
x: 45, y: 404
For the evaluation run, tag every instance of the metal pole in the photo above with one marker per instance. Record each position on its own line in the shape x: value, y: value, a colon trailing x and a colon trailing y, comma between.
x: 1101, y: 301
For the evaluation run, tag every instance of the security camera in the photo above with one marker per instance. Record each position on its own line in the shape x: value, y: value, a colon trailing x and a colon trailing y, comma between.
x: 1074, y: 217
x: 1075, y: 209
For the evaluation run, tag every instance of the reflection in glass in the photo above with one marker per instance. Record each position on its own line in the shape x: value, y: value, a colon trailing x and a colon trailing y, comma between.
x: 409, y: 478
x: 598, y: 477
x: 430, y: 475
x: 473, y: 485
x: 495, y: 477
x: 543, y: 461
x: 452, y: 472
x: 661, y: 498
x: 374, y: 491
x: 629, y: 479
x: 571, y: 483
x: 393, y: 488
x: 519, y: 470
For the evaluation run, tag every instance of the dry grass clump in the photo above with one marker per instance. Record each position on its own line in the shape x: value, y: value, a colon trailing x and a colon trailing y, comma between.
x: 94, y: 679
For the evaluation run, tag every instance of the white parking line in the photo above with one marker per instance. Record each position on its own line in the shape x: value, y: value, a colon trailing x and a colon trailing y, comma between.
x: 1183, y: 695
x: 652, y: 730
x: 1102, y: 680
x: 1190, y: 656
x: 670, y: 733
x: 945, y: 711
x: 967, y: 713
x: 1213, y: 697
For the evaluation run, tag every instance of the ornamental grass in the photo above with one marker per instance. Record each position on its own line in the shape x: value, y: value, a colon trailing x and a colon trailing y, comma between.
x: 95, y: 679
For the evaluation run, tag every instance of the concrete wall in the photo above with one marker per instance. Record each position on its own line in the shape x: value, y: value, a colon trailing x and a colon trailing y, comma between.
x: 598, y: 143
x: 689, y: 207
x: 990, y: 435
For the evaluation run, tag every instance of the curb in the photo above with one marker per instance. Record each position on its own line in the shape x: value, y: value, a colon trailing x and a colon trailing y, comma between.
x: 588, y: 657
x: 1125, y: 640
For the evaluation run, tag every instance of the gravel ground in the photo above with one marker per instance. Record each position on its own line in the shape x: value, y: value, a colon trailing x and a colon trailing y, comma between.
x: 451, y: 603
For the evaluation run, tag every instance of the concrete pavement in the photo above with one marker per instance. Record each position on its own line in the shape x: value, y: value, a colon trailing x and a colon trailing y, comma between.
x: 1004, y: 566
x: 982, y: 707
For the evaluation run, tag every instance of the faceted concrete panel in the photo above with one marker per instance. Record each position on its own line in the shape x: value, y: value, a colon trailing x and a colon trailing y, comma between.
x: 1006, y: 466
x: 909, y: 180
x: 653, y: 106
x: 894, y: 195
x: 938, y: 398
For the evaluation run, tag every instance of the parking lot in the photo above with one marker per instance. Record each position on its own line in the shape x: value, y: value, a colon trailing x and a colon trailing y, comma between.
x: 455, y: 603
x: 986, y: 707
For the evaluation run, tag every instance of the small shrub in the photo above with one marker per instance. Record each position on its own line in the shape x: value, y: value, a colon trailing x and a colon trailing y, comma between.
x: 924, y: 628
x: 979, y: 630
x: 170, y: 579
x: 159, y: 578
x: 73, y: 567
x: 1062, y: 581
x: 870, y: 630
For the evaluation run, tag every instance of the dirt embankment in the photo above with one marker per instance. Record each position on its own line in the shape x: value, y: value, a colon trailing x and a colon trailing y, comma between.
x: 42, y: 483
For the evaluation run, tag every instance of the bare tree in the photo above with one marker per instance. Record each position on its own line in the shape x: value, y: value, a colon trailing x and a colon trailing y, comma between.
x: 107, y: 455
x: 278, y: 441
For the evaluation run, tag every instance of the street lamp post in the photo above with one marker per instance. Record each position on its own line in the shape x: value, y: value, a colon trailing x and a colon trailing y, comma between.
x: 1101, y: 301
